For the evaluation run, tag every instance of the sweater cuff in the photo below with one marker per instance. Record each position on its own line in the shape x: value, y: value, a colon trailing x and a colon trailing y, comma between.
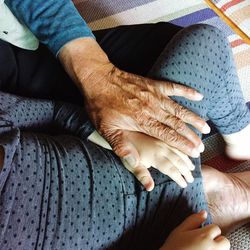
x: 63, y: 38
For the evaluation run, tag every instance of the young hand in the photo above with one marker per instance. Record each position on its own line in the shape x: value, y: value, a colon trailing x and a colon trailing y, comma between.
x: 157, y: 154
x: 189, y: 236
x: 154, y: 153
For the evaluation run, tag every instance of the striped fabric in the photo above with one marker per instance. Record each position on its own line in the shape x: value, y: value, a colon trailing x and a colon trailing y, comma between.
x: 237, y: 14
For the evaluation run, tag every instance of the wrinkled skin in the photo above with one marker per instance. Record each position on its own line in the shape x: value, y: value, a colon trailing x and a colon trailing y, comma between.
x: 228, y: 197
x: 118, y: 102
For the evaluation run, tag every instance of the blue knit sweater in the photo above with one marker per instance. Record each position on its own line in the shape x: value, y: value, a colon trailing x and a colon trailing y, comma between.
x: 53, y: 22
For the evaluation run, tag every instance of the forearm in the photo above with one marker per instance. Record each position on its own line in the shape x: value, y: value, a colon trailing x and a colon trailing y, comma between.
x: 54, y: 22
x: 85, y: 62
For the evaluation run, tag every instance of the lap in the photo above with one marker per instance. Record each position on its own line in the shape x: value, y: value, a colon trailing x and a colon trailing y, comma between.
x: 145, y: 215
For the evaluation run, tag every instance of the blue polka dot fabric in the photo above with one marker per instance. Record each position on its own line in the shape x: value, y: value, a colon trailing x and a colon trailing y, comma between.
x: 60, y: 191
x: 201, y: 57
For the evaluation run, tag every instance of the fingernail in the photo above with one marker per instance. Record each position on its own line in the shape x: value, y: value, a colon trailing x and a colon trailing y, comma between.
x: 192, y: 167
x: 203, y: 213
x: 191, y: 179
x: 201, y: 148
x: 183, y: 184
x: 198, y: 96
x: 130, y: 160
x: 206, y: 129
x: 195, y: 153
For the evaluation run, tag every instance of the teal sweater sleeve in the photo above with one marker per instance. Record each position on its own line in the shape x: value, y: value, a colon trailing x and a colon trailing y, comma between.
x: 53, y: 22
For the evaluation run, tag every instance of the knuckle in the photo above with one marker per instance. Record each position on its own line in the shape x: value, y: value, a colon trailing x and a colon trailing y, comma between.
x: 190, y: 91
x: 173, y: 172
x: 179, y: 126
x: 180, y: 111
x: 178, y: 161
x: 171, y: 87
x: 172, y: 137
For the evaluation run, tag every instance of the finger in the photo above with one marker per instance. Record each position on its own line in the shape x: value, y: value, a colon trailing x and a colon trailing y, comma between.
x: 166, y: 88
x: 182, y: 167
x: 177, y: 161
x: 179, y: 126
x: 175, y: 89
x: 212, y: 231
x: 130, y: 158
x: 185, y: 115
x: 122, y: 147
x: 193, y: 222
x: 184, y: 157
x: 169, y: 136
x: 222, y: 243
x: 167, y: 168
x: 142, y: 175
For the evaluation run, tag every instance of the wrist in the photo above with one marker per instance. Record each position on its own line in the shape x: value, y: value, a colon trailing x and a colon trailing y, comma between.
x: 83, y: 59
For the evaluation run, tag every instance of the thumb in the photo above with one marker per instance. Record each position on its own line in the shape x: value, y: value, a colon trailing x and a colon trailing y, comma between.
x: 131, y: 159
x: 123, y: 148
x: 194, y: 221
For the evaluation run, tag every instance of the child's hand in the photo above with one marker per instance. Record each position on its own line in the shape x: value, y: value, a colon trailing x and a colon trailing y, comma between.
x: 154, y: 153
x: 157, y: 154
x: 189, y: 236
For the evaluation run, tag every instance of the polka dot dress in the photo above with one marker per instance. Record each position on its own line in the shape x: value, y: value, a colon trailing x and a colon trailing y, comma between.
x: 60, y: 191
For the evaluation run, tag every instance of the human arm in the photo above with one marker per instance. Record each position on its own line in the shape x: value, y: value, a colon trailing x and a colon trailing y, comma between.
x: 54, y: 23
x: 118, y: 101
x: 189, y: 236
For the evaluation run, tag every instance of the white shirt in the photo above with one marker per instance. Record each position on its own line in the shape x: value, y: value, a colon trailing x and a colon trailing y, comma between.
x: 12, y: 31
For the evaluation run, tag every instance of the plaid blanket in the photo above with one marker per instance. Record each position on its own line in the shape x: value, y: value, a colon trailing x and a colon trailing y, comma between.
x: 236, y: 13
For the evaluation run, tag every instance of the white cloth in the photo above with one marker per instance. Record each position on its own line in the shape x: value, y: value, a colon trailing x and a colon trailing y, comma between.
x: 12, y: 31
x: 96, y: 138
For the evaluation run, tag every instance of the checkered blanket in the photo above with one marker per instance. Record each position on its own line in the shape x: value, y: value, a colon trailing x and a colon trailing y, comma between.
x: 236, y: 13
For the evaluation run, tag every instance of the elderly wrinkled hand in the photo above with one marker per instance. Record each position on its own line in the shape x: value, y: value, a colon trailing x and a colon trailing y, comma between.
x: 119, y: 101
